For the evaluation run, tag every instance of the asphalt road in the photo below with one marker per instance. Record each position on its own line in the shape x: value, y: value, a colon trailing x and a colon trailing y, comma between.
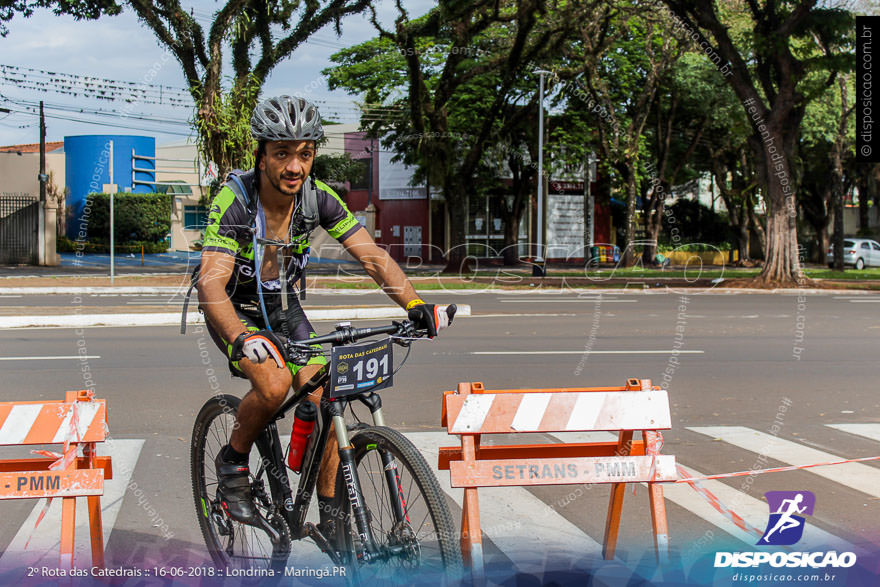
x: 740, y: 359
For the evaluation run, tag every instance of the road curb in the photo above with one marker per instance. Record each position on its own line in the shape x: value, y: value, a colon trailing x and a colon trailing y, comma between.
x: 661, y: 289
x: 169, y: 319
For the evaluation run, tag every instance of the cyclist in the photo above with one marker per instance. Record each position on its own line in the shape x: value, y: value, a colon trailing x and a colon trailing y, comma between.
x: 254, y: 250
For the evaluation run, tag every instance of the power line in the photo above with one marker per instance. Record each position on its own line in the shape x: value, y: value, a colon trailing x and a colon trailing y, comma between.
x: 93, y: 87
x: 98, y: 112
x: 110, y: 124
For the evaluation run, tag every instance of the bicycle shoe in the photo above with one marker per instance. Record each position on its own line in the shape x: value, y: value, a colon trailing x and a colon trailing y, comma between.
x: 234, y: 491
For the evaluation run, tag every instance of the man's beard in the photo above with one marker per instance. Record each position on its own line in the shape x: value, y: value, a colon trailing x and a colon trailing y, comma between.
x: 281, y: 187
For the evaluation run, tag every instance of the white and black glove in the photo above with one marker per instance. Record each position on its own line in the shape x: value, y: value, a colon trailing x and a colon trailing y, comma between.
x: 257, y: 347
x: 431, y: 317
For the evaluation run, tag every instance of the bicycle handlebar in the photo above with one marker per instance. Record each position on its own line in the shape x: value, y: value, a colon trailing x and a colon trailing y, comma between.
x: 348, y: 335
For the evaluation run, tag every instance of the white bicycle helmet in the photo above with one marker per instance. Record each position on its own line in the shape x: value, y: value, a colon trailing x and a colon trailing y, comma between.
x: 286, y: 118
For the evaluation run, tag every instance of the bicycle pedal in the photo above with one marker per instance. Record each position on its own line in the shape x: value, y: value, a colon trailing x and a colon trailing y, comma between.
x: 221, y: 521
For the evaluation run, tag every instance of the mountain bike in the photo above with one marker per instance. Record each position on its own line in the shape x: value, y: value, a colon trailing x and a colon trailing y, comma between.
x: 395, y: 517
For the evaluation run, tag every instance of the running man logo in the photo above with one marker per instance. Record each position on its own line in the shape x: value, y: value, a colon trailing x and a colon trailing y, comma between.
x: 787, y: 510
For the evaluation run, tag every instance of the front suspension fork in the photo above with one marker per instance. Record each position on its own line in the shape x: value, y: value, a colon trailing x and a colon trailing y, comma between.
x: 352, y: 483
x: 398, y: 504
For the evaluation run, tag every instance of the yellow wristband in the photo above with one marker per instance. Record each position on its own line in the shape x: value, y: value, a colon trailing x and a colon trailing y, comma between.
x: 413, y: 304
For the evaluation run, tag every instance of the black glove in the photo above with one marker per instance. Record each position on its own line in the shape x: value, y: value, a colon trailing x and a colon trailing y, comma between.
x: 257, y: 347
x: 431, y: 318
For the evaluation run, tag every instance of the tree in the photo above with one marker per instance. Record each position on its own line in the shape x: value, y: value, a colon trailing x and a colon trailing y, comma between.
x: 781, y: 42
x: 826, y: 151
x: 337, y: 168
x: 438, y: 85
x: 260, y: 34
x: 614, y: 68
x: 688, y: 103
x: 79, y: 9
x: 515, y: 149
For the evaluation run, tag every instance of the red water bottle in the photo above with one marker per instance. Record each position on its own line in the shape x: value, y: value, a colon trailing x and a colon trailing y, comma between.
x: 303, y: 423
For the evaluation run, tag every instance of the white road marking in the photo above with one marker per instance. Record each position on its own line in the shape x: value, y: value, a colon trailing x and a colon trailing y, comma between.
x: 586, y: 352
x: 855, y: 475
x: 751, y: 509
x: 874, y: 301
x: 576, y: 300
x: 525, y: 528
x: 11, y: 296
x: 518, y: 315
x: 871, y: 431
x: 46, y: 540
x: 58, y: 358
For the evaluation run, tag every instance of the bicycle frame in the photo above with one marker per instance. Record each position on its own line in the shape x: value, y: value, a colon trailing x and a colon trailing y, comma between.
x: 294, y: 510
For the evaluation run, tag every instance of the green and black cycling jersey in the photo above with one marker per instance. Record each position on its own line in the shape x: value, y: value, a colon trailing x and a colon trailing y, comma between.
x: 231, y: 225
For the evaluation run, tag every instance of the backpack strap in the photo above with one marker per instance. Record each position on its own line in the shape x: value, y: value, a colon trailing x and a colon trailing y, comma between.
x: 194, y: 280
x: 241, y: 183
x: 309, y: 194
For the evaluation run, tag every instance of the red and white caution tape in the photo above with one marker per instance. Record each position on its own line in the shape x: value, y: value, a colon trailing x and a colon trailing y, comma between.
x: 64, y: 461
x: 737, y: 520
x: 773, y: 470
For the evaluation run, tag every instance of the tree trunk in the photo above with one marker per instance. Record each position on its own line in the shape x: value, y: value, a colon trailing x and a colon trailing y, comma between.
x: 863, y: 206
x: 457, y: 261
x: 755, y: 224
x: 652, y: 231
x: 628, y: 256
x: 824, y: 241
x: 744, y: 237
x: 510, y: 253
x: 781, y: 262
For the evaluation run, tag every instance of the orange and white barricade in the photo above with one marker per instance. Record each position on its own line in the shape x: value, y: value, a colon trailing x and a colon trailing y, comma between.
x: 472, y: 411
x: 77, y: 423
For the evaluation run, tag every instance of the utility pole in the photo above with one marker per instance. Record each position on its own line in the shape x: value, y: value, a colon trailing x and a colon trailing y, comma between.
x: 43, y: 177
x: 589, y: 208
x: 42, y: 257
x: 539, y: 268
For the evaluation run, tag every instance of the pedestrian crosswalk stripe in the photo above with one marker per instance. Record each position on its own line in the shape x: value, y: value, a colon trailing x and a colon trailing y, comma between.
x: 857, y: 476
x: 523, y: 527
x: 871, y: 431
x: 45, y: 542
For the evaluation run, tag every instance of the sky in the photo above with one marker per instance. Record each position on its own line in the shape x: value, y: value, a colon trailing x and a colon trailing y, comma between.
x: 120, y: 48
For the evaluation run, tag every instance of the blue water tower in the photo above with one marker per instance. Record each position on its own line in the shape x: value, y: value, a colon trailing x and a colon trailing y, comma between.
x: 87, y: 169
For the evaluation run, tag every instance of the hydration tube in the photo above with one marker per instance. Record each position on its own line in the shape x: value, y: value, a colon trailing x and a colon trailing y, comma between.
x: 258, y: 262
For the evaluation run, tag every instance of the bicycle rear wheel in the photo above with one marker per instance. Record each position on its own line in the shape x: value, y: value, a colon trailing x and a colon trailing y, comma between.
x: 233, y: 545
x: 421, y: 547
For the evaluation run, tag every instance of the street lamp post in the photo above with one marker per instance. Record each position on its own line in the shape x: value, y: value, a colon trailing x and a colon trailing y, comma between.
x: 539, y: 269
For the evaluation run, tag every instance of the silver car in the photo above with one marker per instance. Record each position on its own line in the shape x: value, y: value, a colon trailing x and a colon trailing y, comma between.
x: 858, y: 252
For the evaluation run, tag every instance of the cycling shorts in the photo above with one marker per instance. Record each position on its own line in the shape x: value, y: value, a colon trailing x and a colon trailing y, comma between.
x: 298, y: 327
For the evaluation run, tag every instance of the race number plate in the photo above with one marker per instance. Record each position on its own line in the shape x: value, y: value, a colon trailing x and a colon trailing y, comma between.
x: 360, y: 367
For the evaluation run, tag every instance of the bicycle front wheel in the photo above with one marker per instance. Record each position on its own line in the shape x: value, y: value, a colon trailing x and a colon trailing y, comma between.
x: 232, y: 544
x: 418, y: 546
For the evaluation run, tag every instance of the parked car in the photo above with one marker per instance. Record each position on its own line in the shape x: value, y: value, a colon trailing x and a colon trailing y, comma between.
x: 858, y: 252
